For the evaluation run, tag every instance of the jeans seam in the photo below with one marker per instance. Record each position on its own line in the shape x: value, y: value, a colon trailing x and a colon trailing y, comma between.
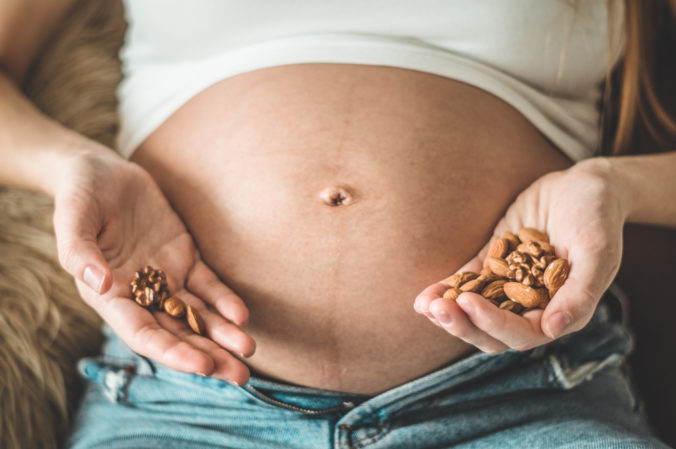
x: 382, y: 429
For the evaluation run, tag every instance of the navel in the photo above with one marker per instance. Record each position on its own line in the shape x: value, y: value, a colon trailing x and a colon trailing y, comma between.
x: 337, y: 196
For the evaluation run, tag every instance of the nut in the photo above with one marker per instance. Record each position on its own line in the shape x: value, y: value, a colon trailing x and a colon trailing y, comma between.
x: 458, y: 279
x: 494, y: 290
x: 525, y: 295
x: 475, y: 285
x: 512, y: 239
x: 488, y: 275
x: 544, y: 260
x: 160, y: 298
x: 523, y: 269
x: 517, y: 257
x: 142, y: 299
x: 195, y: 321
x: 174, y: 307
x: 547, y: 248
x: 528, y: 280
x: 499, y: 267
x: 499, y: 249
x: 452, y: 293
x: 530, y: 247
x: 555, y: 275
x: 526, y: 234
x: 511, y: 306
x: 148, y: 286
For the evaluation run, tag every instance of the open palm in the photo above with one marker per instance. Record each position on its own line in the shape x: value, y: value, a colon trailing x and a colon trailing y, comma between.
x: 584, y: 218
x: 111, y: 219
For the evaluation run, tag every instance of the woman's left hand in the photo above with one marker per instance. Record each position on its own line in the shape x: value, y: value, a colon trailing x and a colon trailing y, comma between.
x: 580, y: 210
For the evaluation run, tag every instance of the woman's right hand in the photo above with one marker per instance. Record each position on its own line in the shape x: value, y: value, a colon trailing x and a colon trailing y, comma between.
x: 111, y: 219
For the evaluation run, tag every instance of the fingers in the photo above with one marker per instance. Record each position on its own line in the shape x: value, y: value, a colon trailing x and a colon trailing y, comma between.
x: 512, y: 330
x: 138, y: 328
x: 450, y: 317
x: 455, y: 321
x: 221, y: 331
x: 79, y: 253
x: 169, y: 341
x: 425, y: 298
x: 478, y: 322
x: 205, y: 284
x: 573, y: 305
x: 225, y: 366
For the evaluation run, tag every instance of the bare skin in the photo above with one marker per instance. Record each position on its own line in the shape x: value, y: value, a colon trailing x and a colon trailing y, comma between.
x: 334, y: 199
x: 328, y: 196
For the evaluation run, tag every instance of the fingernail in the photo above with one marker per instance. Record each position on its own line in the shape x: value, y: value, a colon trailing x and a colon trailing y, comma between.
x: 93, y: 278
x: 558, y: 324
x: 443, y: 317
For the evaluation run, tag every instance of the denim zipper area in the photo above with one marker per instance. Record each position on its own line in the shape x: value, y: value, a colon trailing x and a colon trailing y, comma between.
x: 309, y: 411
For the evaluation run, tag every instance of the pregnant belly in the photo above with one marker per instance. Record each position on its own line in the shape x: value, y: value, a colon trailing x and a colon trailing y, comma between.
x: 329, y: 195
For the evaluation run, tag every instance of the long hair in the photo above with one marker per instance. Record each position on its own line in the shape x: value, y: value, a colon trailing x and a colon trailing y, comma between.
x: 639, y: 101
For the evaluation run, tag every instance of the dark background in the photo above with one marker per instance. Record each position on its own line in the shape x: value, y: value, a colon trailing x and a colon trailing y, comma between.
x: 648, y: 276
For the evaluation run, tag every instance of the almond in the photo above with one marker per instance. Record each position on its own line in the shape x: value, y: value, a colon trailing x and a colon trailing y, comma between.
x: 494, y: 290
x: 174, y: 307
x: 547, y: 248
x: 555, y: 275
x: 475, y: 285
x: 499, y: 248
x: 489, y: 275
x: 525, y: 295
x: 195, y: 321
x: 499, y: 267
x: 452, y: 293
x: 512, y: 239
x: 526, y: 234
x: 511, y: 306
x: 458, y: 279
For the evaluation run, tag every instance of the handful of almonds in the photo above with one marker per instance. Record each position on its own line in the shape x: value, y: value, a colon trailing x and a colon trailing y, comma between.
x: 520, y: 273
x: 150, y: 289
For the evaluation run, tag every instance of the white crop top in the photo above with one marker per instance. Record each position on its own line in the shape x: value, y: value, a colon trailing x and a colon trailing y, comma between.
x: 546, y: 58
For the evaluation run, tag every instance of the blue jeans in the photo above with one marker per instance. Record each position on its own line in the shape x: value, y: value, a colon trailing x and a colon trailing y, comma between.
x: 571, y: 393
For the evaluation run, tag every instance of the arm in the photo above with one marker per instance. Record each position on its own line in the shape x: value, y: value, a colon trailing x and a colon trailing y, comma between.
x: 583, y: 209
x: 33, y: 147
x: 647, y: 185
x: 111, y: 218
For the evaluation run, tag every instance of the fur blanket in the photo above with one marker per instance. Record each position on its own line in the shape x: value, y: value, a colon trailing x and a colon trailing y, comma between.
x: 44, y: 325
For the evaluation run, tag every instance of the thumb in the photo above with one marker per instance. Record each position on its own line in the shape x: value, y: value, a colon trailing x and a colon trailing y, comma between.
x: 79, y: 253
x: 574, y: 303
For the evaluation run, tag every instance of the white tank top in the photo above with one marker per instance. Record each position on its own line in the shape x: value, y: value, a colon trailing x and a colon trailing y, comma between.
x: 546, y: 58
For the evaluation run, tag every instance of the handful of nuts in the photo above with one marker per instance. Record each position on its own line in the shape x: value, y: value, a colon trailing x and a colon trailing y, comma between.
x: 520, y: 273
x: 150, y: 289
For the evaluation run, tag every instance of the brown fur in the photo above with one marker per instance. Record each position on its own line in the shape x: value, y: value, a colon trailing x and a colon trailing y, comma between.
x: 44, y: 325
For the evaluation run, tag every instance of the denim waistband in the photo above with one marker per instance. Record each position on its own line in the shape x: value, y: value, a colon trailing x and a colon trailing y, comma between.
x: 561, y: 364
x: 604, y: 340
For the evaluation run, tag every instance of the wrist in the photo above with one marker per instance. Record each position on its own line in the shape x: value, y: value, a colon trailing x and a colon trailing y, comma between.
x: 70, y: 152
x: 617, y: 184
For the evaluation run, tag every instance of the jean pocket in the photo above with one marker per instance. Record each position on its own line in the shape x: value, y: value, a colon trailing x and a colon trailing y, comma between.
x: 578, y: 357
x: 112, y: 375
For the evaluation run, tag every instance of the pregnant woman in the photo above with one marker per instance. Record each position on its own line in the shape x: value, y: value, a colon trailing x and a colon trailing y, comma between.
x: 307, y: 173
